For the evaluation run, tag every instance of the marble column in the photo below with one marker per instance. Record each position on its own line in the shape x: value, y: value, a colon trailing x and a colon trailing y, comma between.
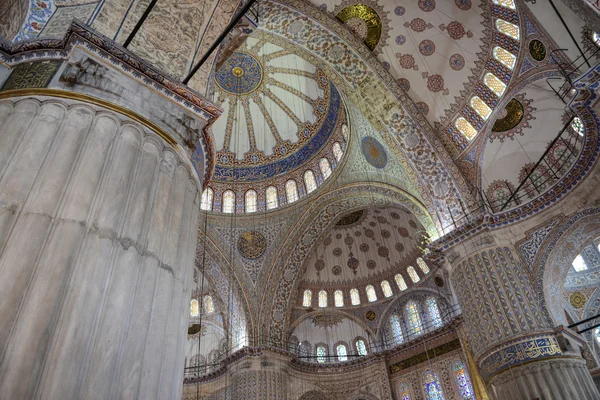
x: 519, y: 354
x: 98, y: 227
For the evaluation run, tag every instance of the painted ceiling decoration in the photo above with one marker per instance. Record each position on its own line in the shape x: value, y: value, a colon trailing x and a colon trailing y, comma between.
x: 351, y: 219
x: 367, y: 21
x: 374, y: 152
x: 511, y: 117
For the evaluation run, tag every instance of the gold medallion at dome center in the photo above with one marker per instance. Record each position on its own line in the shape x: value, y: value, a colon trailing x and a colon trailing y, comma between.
x: 237, y: 71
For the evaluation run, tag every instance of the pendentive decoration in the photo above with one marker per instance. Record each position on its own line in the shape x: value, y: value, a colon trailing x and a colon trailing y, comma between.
x: 350, y: 219
x: 537, y: 50
x: 374, y: 152
x: 513, y: 119
x: 577, y: 300
x: 367, y: 20
x: 252, y: 245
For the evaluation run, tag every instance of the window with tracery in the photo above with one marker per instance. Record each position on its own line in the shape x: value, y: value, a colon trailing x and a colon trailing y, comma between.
x: 403, y: 392
x: 579, y: 264
x: 338, y: 298
x: 414, y: 319
x: 251, y: 201
x: 505, y: 57
x: 321, y: 354
x: 400, y: 282
x: 577, y: 126
x: 309, y: 181
x: 361, y: 348
x: 463, y: 383
x: 506, y: 3
x: 228, y: 202
x: 480, y: 107
x: 354, y: 297
x: 194, y: 309
x: 371, y: 295
x: 207, y: 199
x: 322, y: 298
x: 325, y: 168
x: 209, y: 306
x: 413, y: 274
x: 422, y: 265
x: 337, y: 151
x: 431, y: 386
x: 341, y: 352
x: 396, y: 327
x: 434, y: 312
x: 465, y: 128
x: 272, y: 200
x: 508, y: 28
x: 494, y: 83
x: 307, y: 298
x: 291, y: 191
x: 386, y: 288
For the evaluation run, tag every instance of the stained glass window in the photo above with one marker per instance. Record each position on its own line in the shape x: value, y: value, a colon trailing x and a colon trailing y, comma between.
x: 228, y: 202
x: 307, y: 299
x: 463, y: 383
x: 494, y: 83
x: 194, y: 309
x: 508, y: 29
x: 480, y: 107
x: 505, y: 57
x: 404, y: 392
x: 577, y: 126
x: 325, y: 168
x: 579, y: 264
x: 400, y: 282
x: 361, y: 348
x: 291, y: 190
x: 337, y: 151
x: 413, y: 274
x: 398, y: 337
x: 209, y: 306
x: 341, y: 352
x: 414, y: 320
x: 322, y: 298
x: 310, y: 181
x: 354, y: 297
x: 338, y: 298
x: 321, y: 354
x: 386, y: 288
x: 432, y: 386
x: 465, y: 128
x: 506, y: 3
x: 422, y: 265
x: 251, y: 201
x: 207, y: 199
x: 371, y: 295
x: 345, y: 132
x: 272, y: 200
x: 434, y: 312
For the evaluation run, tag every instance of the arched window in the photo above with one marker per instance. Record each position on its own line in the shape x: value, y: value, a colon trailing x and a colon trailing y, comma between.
x: 310, y: 181
x: 579, y: 264
x: 432, y: 386
x: 422, y: 265
x: 325, y: 168
x: 577, y: 126
x: 508, y: 29
x: 597, y: 334
x: 345, y: 132
x: 272, y: 200
x: 206, y: 202
x: 361, y: 348
x: 209, y: 306
x: 321, y: 354
x: 595, y: 39
x: 434, y: 312
x: 338, y: 298
x: 494, y: 83
x: 371, y: 295
x: 354, y: 297
x: 304, y: 349
x: 400, y: 282
x: 463, y: 383
x: 228, y: 202
x: 404, y: 392
x: 480, y: 107
x: 505, y: 57
x: 341, y: 352
x: 506, y: 3
x: 337, y: 151
x: 413, y: 274
x: 307, y: 298
x: 396, y: 327
x: 465, y: 128
x: 414, y: 320
x: 291, y: 191
x: 322, y: 298
x: 194, y: 309
x: 386, y: 288
x: 251, y: 201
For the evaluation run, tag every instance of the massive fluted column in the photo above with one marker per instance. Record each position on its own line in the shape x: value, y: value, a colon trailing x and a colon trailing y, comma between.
x: 98, y: 226
x: 518, y: 352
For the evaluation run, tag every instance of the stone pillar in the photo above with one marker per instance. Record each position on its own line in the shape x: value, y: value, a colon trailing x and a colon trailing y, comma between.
x: 98, y: 227
x: 516, y: 349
